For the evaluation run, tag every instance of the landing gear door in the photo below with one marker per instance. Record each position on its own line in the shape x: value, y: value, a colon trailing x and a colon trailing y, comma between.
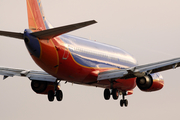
x: 66, y: 53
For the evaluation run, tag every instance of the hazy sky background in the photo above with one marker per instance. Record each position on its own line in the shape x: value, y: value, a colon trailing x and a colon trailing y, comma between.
x: 148, y: 29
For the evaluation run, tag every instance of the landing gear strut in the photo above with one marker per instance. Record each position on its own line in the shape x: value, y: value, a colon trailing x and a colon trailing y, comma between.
x: 58, y: 93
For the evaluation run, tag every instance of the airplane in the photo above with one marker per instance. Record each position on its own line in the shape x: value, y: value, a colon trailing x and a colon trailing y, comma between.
x: 77, y: 60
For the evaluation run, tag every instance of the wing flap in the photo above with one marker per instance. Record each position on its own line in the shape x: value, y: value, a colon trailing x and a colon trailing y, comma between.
x: 112, y: 74
x: 50, y: 33
x: 43, y: 78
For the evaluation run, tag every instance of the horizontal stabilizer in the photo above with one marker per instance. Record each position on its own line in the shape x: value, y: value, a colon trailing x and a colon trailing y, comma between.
x: 50, y: 33
x: 12, y: 34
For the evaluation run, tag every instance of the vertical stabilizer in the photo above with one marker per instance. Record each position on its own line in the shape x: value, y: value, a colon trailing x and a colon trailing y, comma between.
x: 36, y: 18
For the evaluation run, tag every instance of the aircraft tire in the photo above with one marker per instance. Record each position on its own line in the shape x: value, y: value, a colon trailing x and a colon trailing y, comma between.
x: 115, y: 94
x: 121, y: 103
x: 125, y: 102
x: 107, y: 94
x: 59, y: 95
x: 51, y: 95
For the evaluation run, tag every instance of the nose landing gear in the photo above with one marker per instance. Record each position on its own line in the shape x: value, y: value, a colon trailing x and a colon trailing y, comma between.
x: 123, y: 101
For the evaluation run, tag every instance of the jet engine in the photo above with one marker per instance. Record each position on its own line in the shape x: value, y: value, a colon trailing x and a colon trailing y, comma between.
x: 42, y: 87
x: 152, y: 82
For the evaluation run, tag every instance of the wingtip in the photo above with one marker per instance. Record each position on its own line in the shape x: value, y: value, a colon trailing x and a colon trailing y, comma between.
x: 94, y: 21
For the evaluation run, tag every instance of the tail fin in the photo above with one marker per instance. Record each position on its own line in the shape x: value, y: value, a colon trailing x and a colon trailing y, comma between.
x: 39, y: 25
x: 36, y: 16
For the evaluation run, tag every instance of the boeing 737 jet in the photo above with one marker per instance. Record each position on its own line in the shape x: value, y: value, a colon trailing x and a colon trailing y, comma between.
x: 64, y: 57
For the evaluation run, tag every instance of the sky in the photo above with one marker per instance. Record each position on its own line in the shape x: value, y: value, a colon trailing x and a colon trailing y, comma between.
x: 149, y: 30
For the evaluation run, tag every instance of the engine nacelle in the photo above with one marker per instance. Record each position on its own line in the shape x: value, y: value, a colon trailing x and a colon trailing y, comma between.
x: 152, y: 82
x: 42, y: 87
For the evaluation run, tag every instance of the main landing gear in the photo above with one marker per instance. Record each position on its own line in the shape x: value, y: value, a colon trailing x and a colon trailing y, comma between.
x: 58, y: 93
x: 115, y: 94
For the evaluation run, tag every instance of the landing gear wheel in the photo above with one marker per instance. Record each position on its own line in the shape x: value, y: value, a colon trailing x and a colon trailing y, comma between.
x: 59, y: 95
x: 115, y: 94
x: 107, y: 94
x: 125, y: 102
x: 121, y: 103
x: 51, y: 95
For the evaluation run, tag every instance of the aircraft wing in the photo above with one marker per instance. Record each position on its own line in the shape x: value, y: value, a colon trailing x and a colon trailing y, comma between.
x: 140, y: 71
x: 31, y: 74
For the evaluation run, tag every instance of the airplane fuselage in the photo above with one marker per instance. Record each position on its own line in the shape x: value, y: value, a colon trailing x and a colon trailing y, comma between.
x: 79, y: 60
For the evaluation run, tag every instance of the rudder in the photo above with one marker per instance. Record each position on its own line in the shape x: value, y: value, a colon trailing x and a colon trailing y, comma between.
x: 36, y: 16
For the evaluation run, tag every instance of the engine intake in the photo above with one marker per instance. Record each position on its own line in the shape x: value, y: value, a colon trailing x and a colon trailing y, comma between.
x: 145, y: 82
x: 42, y: 87
x: 150, y: 82
x: 38, y: 86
